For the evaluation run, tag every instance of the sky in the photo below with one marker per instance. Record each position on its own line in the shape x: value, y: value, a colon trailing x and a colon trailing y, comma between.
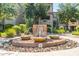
x: 55, y: 7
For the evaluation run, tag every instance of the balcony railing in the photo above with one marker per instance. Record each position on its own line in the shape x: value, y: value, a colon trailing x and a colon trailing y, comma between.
x: 73, y: 23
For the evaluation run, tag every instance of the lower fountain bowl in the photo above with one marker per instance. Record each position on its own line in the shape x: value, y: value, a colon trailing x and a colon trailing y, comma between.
x: 32, y: 43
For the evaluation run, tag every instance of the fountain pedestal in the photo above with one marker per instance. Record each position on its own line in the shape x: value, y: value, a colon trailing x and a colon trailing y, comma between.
x: 40, y: 30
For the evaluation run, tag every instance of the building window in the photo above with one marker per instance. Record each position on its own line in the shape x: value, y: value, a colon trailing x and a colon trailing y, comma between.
x: 1, y: 27
x: 46, y: 17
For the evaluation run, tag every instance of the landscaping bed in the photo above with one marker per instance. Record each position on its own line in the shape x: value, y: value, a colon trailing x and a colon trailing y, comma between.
x: 69, y: 45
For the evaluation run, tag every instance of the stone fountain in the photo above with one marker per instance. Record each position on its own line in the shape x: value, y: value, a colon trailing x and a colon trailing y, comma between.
x: 40, y: 42
x: 39, y: 39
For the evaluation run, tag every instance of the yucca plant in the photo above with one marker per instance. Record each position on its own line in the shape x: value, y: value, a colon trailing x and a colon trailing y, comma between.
x: 17, y: 28
x: 23, y: 28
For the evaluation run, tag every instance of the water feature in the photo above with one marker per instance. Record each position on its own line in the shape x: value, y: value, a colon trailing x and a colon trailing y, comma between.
x: 39, y: 42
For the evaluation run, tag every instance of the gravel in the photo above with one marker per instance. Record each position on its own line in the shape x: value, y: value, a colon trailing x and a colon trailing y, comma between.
x: 69, y: 45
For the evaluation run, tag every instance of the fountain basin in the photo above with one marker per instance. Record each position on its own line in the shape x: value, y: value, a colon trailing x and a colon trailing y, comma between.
x: 32, y: 43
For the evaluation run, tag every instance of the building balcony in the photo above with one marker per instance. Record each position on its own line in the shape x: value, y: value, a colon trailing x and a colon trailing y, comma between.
x: 73, y: 23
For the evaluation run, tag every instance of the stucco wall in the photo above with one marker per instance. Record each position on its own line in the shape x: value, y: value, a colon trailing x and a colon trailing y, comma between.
x: 10, y: 21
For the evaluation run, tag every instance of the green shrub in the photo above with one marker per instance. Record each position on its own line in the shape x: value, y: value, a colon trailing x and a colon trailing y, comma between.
x: 0, y: 33
x: 23, y: 28
x: 61, y: 27
x: 77, y: 28
x: 61, y: 30
x: 54, y: 30
x: 3, y: 34
x: 7, y: 26
x: 17, y: 28
x: 11, y: 32
x: 48, y: 25
x: 75, y: 33
x: 49, y: 28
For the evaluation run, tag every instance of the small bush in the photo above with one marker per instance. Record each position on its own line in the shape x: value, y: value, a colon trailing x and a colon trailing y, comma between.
x: 3, y: 34
x: 61, y: 27
x: 54, y: 30
x: 7, y: 26
x: 48, y: 25
x: 11, y: 33
x: 77, y: 28
x: 23, y: 28
x: 75, y: 33
x: 0, y: 33
x: 49, y: 28
x: 61, y: 30
x: 17, y: 28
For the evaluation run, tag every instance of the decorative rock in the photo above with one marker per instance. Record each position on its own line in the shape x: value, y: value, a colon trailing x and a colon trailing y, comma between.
x: 68, y: 45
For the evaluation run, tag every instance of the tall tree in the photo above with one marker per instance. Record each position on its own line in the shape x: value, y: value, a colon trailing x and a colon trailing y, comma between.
x: 36, y: 11
x: 67, y: 12
x: 29, y: 14
x: 7, y: 11
x: 41, y: 11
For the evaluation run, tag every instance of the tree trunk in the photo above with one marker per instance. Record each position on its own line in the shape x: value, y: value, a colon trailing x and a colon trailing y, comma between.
x: 51, y: 16
x: 39, y: 20
x: 3, y: 24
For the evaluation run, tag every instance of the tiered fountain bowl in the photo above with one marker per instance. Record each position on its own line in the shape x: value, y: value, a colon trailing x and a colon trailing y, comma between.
x: 32, y: 41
